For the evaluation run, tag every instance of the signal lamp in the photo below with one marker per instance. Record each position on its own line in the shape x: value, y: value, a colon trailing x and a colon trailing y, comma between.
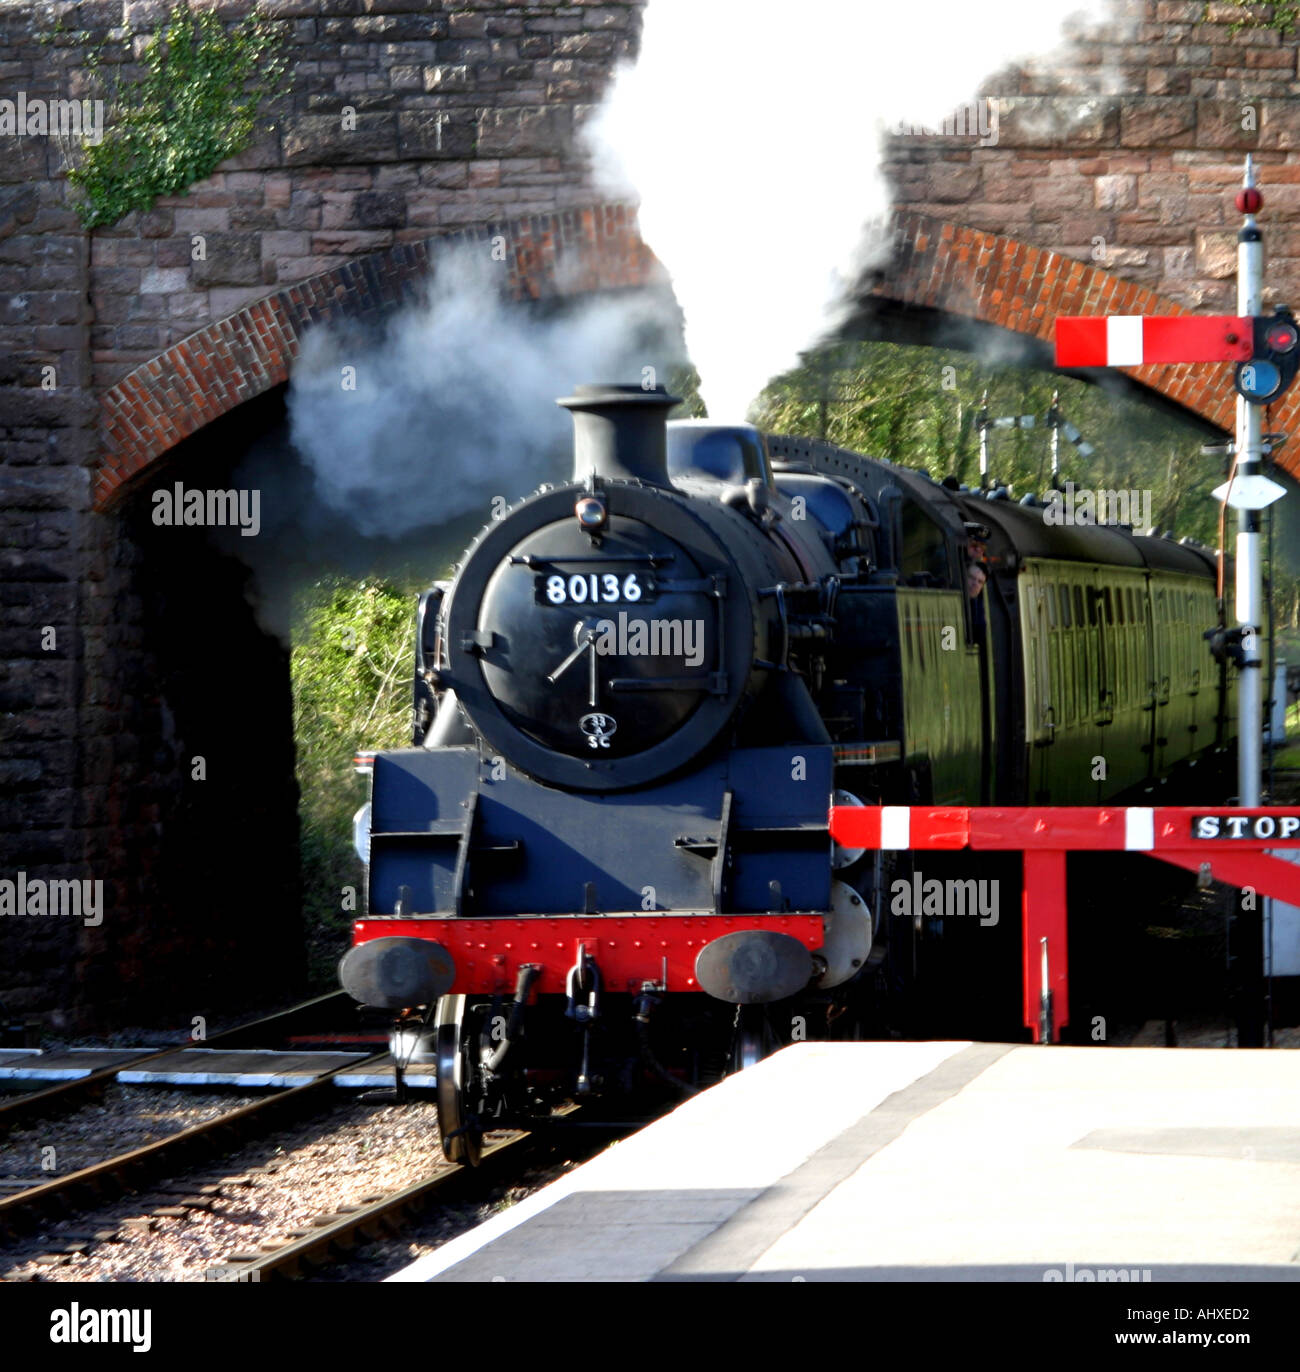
x: 1280, y: 337
x: 1274, y: 361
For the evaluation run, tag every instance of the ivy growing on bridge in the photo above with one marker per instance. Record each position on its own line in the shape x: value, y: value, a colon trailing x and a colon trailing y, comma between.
x: 1284, y: 18
x: 196, y: 104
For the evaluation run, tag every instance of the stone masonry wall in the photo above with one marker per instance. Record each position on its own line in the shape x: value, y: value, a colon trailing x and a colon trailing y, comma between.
x: 462, y: 115
x: 1125, y: 150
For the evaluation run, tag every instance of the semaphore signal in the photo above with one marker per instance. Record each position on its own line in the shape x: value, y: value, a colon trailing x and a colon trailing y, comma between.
x: 1134, y: 340
x: 1266, y: 354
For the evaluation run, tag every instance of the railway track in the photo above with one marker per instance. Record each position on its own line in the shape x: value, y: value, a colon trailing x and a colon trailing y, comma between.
x: 128, y: 1172
x: 21, y: 1108
x: 575, y: 1133
x: 47, y: 1223
x: 313, y: 1243
x: 311, y: 1247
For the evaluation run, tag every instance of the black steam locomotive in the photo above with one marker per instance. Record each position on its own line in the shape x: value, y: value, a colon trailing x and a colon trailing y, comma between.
x: 606, y: 857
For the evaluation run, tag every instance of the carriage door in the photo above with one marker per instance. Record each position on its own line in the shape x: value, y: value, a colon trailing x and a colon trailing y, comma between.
x: 1199, y: 725
x: 1039, y: 641
x: 1162, y: 662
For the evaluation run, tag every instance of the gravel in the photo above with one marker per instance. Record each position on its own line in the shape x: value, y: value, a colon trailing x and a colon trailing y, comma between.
x: 374, y: 1260
x: 356, y: 1151
x: 126, y: 1117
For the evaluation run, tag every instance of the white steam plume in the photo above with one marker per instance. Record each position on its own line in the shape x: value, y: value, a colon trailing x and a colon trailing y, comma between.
x: 752, y: 135
x: 455, y: 404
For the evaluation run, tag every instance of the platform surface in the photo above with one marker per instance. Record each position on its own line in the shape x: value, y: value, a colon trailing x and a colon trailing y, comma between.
x: 932, y: 1161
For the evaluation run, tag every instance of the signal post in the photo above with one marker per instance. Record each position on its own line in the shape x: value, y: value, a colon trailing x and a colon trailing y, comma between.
x: 1266, y: 353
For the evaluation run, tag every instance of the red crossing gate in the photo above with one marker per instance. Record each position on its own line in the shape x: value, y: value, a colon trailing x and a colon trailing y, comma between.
x: 1221, y: 843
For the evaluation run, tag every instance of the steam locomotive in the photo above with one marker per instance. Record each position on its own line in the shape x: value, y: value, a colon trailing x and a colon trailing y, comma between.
x: 606, y: 858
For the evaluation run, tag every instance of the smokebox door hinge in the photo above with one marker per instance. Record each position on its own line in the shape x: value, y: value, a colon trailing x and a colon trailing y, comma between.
x: 477, y: 641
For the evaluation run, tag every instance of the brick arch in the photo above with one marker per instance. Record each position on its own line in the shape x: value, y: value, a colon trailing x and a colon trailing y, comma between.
x: 972, y: 273
x: 211, y: 372
x: 993, y: 279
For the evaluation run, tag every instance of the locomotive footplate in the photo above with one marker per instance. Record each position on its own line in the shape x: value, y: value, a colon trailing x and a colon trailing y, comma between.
x: 631, y: 949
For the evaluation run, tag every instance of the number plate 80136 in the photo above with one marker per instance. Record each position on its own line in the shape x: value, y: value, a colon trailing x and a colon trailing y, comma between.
x: 593, y: 588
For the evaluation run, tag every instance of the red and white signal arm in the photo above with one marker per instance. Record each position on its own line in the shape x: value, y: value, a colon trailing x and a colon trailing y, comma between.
x: 1134, y: 340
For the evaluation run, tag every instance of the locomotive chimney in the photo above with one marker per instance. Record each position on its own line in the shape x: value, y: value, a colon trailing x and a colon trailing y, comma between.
x: 620, y: 432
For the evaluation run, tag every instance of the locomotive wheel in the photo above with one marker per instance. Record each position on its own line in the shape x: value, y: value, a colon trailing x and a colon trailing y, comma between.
x: 458, y: 1125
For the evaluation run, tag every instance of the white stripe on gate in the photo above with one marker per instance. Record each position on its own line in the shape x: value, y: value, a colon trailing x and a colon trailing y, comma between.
x: 1139, y: 828
x: 895, y: 826
x: 1124, y: 340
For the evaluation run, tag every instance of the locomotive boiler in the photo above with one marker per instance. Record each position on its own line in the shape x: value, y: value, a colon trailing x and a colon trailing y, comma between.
x: 606, y: 857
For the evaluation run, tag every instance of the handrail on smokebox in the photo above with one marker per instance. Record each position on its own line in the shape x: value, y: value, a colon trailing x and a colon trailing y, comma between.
x: 1219, y: 843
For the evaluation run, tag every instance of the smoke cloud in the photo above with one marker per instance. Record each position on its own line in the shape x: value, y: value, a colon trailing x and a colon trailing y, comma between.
x: 453, y: 404
x: 752, y: 136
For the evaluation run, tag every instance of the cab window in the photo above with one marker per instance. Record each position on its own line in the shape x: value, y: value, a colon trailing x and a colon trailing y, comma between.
x: 923, y: 558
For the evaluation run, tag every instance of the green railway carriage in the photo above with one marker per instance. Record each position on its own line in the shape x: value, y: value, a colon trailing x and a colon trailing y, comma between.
x: 1079, y: 674
x: 1117, y: 687
x: 942, y: 716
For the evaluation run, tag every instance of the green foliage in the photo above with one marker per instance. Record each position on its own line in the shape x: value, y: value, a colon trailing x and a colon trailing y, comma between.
x: 685, y: 382
x: 918, y: 406
x: 195, y: 106
x: 353, y: 654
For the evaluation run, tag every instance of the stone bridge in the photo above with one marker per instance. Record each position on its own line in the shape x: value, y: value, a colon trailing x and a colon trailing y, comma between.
x: 1103, y: 186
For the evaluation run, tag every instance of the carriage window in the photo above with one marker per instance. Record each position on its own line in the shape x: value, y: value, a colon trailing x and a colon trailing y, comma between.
x: 1049, y: 598
x: 1065, y: 607
x: 1110, y: 608
x: 1119, y: 605
x: 1132, y: 613
x: 923, y: 559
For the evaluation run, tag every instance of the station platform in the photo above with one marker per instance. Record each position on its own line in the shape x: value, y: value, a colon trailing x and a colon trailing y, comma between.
x: 932, y: 1162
